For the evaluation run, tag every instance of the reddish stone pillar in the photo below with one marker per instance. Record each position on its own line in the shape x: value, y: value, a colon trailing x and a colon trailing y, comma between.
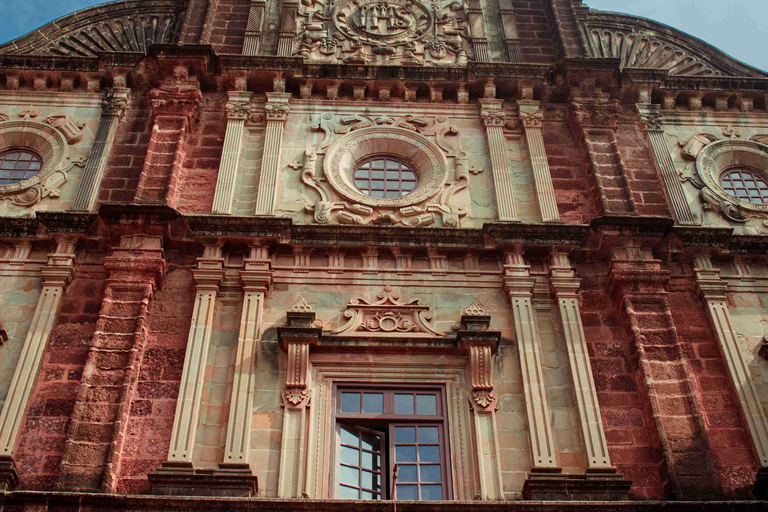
x: 176, y: 106
x: 638, y: 283
x: 594, y: 120
x: 93, y: 451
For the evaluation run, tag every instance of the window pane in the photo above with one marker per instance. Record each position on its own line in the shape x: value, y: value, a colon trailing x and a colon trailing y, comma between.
x: 350, y: 402
x: 428, y: 435
x: 349, y: 476
x: 403, y: 404
x: 426, y: 405
x: 429, y: 473
x: 371, y: 480
x: 348, y: 493
x: 373, y: 403
x: 24, y: 164
x: 406, y: 473
x: 350, y: 456
x: 431, y: 492
x: 407, y: 492
x: 349, y: 437
x: 429, y: 454
x: 369, y: 496
x: 405, y: 454
x: 371, y: 460
x: 405, y: 434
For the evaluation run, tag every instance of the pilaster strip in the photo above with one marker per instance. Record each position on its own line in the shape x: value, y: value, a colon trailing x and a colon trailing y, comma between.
x: 238, y: 109
x: 287, y: 35
x: 256, y: 279
x: 492, y: 116
x: 208, y: 276
x: 255, y: 27
x: 56, y: 277
x: 713, y: 290
x: 113, y: 110
x: 566, y: 286
x: 276, y: 109
x: 653, y: 123
x: 477, y: 31
x: 519, y: 285
x: 509, y: 31
x: 532, y: 117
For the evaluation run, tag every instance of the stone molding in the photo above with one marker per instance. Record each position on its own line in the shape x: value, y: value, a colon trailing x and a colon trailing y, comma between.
x: 492, y: 116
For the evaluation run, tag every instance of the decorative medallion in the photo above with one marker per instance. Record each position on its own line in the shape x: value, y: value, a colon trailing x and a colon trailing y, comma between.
x: 391, y: 22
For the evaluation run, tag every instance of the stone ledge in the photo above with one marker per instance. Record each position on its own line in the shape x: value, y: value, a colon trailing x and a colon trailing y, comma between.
x: 606, y: 485
x: 184, y: 480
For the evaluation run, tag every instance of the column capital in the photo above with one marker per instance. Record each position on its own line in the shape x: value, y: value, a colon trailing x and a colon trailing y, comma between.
x: 595, y: 112
x: 239, y: 105
x: 115, y: 102
x: 492, y: 112
x: 176, y: 101
x: 651, y: 117
x: 138, y: 258
x: 531, y: 115
x: 210, y: 268
x: 710, y: 285
x: 277, y: 106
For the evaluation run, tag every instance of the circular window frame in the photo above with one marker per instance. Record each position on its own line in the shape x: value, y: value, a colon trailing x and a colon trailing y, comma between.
x: 421, y: 155
x: 757, y: 175
x: 39, y: 138
x: 718, y: 157
x: 25, y: 150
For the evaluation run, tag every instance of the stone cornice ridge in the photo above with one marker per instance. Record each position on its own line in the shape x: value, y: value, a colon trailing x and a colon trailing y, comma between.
x: 74, y: 34
x: 698, y: 57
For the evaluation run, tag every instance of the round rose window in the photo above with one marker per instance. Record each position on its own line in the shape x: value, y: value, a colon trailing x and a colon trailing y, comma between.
x: 745, y: 184
x: 17, y: 165
x: 385, y: 178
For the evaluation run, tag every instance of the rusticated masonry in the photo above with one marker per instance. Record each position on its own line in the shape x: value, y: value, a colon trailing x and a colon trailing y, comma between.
x: 94, y: 447
x: 594, y: 120
x: 176, y: 107
x: 638, y: 283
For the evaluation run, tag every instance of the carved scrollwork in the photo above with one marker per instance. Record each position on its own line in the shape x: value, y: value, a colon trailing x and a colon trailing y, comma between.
x: 486, y: 399
x: 276, y: 111
x: 296, y: 397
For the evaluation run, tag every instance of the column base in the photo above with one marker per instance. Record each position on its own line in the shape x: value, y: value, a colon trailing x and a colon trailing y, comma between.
x: 594, y: 485
x: 9, y: 478
x: 182, y: 479
x: 760, y: 490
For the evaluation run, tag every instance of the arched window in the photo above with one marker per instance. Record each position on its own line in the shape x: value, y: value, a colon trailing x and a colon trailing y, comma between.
x: 745, y: 184
x: 385, y: 177
x: 17, y: 165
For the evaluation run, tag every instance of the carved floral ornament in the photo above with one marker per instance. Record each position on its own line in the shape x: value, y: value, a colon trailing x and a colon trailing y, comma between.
x: 49, y: 137
x: 429, y: 146
x: 714, y: 158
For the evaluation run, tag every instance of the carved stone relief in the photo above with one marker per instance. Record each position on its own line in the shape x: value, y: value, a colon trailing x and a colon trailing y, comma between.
x: 53, y: 138
x: 384, y: 32
x: 431, y: 144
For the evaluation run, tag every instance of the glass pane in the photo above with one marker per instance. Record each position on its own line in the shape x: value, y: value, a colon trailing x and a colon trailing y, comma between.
x: 373, y: 403
x: 406, y: 473
x: 350, y: 456
x: 428, y: 435
x: 406, y: 434
x: 407, y: 492
x: 369, y: 496
x: 429, y: 454
x: 426, y: 405
x: 403, y: 404
x: 371, y: 480
x: 405, y: 454
x: 371, y: 442
x: 371, y: 461
x: 349, y: 476
x: 349, y: 437
x: 377, y: 175
x: 429, y: 473
x: 431, y: 492
x: 348, y: 493
x: 350, y: 402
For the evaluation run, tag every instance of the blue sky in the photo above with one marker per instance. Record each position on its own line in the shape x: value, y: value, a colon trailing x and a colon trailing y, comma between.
x: 737, y: 27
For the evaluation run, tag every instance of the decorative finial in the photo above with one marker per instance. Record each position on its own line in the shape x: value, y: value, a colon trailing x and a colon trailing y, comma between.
x: 475, y: 309
x: 301, y: 306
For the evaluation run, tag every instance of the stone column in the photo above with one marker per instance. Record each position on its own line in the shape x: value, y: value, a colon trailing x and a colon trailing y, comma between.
x: 492, y: 115
x: 296, y: 339
x: 176, y: 107
x: 480, y: 344
x: 256, y: 277
x: 519, y: 285
x: 594, y: 120
x: 287, y: 34
x: 238, y: 110
x: 532, y: 117
x: 276, y: 113
x: 57, y: 275
x: 654, y: 127
x: 110, y: 377
x: 638, y: 284
x: 255, y: 27
x: 112, y: 111
x: 712, y: 290
x: 509, y: 30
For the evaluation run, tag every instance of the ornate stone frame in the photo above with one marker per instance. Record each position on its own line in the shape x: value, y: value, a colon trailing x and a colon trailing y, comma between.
x: 719, y: 156
x: 50, y: 144
x: 424, y: 156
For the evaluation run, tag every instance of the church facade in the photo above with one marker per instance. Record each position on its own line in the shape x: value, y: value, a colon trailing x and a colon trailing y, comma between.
x: 271, y: 254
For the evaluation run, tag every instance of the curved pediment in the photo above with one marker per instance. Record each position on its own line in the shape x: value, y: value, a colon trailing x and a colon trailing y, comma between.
x: 643, y: 43
x: 125, y: 26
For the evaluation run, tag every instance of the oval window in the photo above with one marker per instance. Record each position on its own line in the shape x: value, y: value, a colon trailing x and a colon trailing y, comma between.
x: 17, y: 165
x: 385, y: 177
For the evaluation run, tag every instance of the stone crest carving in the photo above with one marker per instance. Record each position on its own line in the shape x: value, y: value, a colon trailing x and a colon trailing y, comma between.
x: 385, y: 32
x: 387, y: 316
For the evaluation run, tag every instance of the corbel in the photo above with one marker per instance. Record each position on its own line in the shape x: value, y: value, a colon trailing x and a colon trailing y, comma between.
x: 481, y: 344
x: 301, y: 333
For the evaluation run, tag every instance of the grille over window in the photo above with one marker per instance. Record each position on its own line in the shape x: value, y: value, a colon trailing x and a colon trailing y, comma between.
x: 385, y: 178
x: 17, y: 165
x: 745, y: 184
